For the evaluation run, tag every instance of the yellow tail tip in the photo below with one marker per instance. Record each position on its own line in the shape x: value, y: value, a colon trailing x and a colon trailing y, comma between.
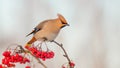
x: 27, y: 46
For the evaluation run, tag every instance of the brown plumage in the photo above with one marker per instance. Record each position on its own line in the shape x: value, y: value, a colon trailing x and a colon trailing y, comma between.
x: 48, y: 29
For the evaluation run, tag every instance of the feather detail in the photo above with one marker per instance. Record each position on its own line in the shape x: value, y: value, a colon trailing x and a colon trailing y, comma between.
x: 33, y: 32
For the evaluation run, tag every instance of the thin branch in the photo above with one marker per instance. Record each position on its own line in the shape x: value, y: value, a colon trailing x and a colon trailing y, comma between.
x: 65, y: 53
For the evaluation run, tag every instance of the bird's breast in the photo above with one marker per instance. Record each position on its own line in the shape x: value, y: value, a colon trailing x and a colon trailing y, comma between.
x: 47, y: 33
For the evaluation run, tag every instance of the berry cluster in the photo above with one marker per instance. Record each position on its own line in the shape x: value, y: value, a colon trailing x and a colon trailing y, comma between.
x: 9, y: 60
x: 40, y: 53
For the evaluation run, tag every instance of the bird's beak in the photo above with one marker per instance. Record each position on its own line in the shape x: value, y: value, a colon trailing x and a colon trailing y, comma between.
x: 67, y: 25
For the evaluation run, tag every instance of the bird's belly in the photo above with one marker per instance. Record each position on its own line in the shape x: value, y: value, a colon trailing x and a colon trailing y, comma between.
x: 48, y: 35
x: 52, y: 36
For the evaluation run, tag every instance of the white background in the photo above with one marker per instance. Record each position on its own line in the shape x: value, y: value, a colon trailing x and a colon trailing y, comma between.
x: 92, y: 40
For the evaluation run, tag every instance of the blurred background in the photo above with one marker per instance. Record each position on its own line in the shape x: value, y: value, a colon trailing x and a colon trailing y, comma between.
x: 92, y: 40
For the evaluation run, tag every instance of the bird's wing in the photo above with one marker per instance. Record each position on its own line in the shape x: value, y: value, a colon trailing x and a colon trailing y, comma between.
x: 38, y: 27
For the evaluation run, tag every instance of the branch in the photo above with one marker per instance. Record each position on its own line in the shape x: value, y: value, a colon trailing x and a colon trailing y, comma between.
x: 65, y: 53
x: 39, y: 61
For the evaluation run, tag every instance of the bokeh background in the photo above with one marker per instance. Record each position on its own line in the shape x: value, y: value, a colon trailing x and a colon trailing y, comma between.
x: 92, y: 40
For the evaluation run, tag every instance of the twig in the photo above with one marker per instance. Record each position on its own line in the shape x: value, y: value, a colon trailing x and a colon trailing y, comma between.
x: 65, y: 55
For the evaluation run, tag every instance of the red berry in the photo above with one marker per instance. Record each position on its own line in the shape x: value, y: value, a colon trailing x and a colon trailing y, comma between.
x: 63, y: 66
x: 1, y: 66
x: 43, y: 59
x: 3, y: 61
x: 25, y: 60
x: 27, y: 67
x: 34, y: 51
x: 72, y: 64
x: 51, y: 54
x: 11, y: 65
x: 38, y: 54
x: 48, y: 55
x: 6, y: 53
x: 20, y: 59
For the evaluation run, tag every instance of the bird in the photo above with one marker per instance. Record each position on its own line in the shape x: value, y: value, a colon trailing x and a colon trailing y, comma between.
x: 47, y: 30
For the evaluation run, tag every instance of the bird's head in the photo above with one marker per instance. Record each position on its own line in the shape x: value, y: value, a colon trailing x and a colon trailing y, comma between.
x: 62, y: 21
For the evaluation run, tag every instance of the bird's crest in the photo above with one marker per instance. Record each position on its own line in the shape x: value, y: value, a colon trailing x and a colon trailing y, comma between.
x: 62, y: 18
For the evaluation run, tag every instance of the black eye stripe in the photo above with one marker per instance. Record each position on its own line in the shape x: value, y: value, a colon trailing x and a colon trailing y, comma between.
x: 63, y: 23
x: 62, y: 26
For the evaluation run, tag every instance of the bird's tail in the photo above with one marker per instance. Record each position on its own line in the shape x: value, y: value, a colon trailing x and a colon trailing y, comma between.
x: 30, y: 33
x: 29, y: 43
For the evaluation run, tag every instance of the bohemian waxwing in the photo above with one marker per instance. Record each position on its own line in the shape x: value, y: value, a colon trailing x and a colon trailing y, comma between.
x: 48, y: 30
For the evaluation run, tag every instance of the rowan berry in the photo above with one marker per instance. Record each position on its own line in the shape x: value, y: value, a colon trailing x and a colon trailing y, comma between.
x: 1, y: 66
x: 27, y: 67
x: 72, y: 64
